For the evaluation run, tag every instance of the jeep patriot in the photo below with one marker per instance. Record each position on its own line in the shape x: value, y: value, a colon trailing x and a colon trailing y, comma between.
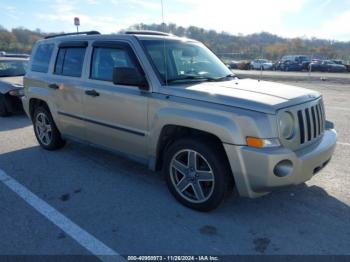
x: 171, y: 104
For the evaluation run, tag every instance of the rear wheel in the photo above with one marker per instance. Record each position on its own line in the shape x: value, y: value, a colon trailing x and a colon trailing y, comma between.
x: 197, y: 174
x: 3, y: 106
x: 46, y: 130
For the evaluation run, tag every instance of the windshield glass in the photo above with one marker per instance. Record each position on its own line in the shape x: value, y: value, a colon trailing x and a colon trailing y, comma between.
x: 13, y: 68
x: 179, y: 61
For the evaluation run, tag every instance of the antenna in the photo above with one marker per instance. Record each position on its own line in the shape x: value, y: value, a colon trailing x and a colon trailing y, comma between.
x: 161, y: 3
x: 164, y: 49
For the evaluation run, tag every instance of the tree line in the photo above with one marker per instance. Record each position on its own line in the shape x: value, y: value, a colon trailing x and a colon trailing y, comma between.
x: 228, y: 46
x: 258, y: 45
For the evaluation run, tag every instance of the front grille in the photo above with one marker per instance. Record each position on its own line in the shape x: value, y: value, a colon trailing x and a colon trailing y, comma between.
x: 311, y: 122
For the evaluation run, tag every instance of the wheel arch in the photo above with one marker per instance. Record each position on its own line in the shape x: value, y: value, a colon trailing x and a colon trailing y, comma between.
x: 34, y: 103
x: 169, y: 123
x: 171, y: 133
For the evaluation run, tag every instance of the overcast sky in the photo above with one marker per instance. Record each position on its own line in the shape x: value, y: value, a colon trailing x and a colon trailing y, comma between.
x: 291, y: 18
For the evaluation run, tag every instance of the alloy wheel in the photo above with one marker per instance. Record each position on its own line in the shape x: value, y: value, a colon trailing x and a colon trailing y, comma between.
x: 43, y: 129
x: 192, y: 176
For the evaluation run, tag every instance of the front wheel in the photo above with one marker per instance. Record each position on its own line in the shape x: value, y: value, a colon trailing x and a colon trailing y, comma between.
x: 46, y: 130
x: 197, y: 174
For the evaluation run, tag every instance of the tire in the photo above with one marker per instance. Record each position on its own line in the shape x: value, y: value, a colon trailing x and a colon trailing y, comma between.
x: 45, y: 130
x: 3, y: 106
x: 185, y: 182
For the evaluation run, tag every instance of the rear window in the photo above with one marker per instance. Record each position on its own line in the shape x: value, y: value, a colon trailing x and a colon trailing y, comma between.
x: 41, y: 58
x: 70, y: 61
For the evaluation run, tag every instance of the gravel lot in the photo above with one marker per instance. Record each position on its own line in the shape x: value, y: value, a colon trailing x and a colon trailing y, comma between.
x: 129, y: 209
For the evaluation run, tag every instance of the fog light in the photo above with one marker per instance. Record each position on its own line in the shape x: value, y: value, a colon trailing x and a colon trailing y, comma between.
x: 283, y: 168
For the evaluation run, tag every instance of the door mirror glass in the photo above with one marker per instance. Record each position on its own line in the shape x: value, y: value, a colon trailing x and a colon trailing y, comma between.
x: 129, y: 76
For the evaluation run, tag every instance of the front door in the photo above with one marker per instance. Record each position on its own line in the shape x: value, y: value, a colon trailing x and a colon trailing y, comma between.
x: 116, y: 116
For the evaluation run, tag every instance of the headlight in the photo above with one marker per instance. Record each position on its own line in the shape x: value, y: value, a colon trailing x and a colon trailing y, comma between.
x: 286, y: 125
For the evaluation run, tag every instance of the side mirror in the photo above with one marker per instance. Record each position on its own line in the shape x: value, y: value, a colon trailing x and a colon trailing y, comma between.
x: 129, y: 76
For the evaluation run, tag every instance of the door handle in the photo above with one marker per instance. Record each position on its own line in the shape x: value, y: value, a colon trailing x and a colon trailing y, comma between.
x: 54, y: 86
x: 92, y: 93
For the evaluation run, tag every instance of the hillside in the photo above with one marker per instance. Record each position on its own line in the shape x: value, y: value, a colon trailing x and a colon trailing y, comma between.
x: 20, y: 40
x: 256, y: 45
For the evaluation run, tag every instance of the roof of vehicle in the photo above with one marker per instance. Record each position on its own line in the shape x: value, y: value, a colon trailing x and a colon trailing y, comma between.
x: 94, y: 35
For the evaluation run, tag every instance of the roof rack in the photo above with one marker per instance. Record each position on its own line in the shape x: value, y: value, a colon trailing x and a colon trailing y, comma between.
x: 78, y: 33
x: 146, y: 32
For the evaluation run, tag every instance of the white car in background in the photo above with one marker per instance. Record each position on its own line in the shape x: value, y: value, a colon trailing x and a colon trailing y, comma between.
x: 259, y: 64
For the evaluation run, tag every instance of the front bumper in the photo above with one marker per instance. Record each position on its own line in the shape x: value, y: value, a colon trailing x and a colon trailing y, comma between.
x: 254, y: 169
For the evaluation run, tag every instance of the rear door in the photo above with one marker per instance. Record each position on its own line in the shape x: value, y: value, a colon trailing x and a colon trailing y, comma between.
x: 67, y: 85
x: 116, y: 115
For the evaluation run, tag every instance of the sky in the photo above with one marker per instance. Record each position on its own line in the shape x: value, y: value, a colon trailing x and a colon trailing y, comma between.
x: 329, y: 19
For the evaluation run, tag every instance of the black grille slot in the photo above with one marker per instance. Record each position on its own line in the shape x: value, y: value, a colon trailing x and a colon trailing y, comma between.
x: 308, y: 123
x: 318, y: 113
x: 314, y: 121
x: 301, y: 126
x: 322, y: 117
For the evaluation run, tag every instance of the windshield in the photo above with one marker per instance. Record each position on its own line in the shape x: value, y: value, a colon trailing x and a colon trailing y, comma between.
x: 13, y: 68
x: 179, y: 61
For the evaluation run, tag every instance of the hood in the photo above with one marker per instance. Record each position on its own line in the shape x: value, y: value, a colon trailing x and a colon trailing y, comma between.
x: 10, y: 83
x: 16, y: 80
x: 262, y: 96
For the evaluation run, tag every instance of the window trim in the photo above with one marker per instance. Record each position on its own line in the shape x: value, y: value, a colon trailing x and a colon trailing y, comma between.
x: 73, y: 44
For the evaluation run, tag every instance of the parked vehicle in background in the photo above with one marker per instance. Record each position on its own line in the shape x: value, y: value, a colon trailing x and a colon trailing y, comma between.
x: 290, y: 66
x: 12, y: 70
x: 296, y: 62
x: 190, y: 117
x: 232, y: 65
x: 344, y: 63
x: 327, y: 66
x: 276, y: 66
x: 300, y: 59
x: 261, y: 64
x: 243, y: 65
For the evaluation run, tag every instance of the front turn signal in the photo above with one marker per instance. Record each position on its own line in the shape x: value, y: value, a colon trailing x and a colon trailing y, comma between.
x: 261, y: 142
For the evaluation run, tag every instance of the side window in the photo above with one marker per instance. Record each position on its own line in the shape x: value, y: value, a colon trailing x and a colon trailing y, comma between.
x: 105, y: 59
x: 41, y: 58
x: 70, y: 61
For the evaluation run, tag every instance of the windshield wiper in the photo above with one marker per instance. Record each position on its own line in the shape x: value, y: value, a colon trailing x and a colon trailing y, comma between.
x: 189, y: 77
x: 200, y: 78
x: 224, y: 77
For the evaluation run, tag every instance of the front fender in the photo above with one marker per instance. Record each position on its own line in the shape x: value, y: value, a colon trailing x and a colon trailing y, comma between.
x: 224, y: 128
